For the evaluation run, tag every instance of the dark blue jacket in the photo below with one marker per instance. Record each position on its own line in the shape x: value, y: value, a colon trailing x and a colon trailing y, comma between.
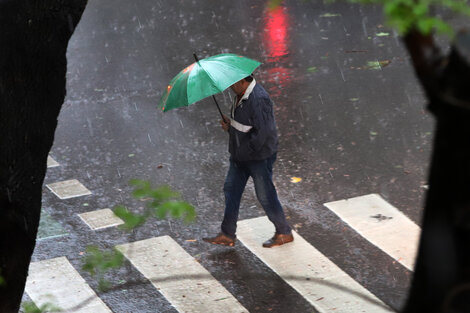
x: 261, y: 141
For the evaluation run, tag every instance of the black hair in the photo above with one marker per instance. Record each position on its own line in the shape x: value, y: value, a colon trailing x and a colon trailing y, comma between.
x: 249, y: 78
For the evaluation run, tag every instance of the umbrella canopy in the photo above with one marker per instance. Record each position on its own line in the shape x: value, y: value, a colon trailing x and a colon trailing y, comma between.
x: 205, y: 78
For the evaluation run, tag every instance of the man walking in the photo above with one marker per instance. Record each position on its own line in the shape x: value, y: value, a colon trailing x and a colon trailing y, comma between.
x: 253, y: 147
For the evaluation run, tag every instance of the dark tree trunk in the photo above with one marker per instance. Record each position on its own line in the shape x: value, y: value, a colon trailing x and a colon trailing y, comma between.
x: 441, y: 282
x: 33, y: 42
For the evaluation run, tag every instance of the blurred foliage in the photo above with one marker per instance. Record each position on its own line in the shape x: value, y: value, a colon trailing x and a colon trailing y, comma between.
x: 98, y: 262
x: 273, y: 4
x: 30, y: 307
x: 131, y: 220
x: 161, y: 202
x: 408, y: 15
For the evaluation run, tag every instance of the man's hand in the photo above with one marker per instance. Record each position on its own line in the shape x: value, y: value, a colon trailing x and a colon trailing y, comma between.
x: 225, y: 123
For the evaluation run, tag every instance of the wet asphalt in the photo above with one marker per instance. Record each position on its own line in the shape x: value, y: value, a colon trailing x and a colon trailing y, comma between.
x: 350, y: 113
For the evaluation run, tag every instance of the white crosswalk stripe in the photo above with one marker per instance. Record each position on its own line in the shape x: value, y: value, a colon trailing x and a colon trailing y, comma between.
x: 51, y: 162
x: 56, y: 282
x: 179, y: 277
x: 313, y: 275
x: 68, y: 189
x: 189, y: 287
x: 100, y: 219
x: 381, y: 224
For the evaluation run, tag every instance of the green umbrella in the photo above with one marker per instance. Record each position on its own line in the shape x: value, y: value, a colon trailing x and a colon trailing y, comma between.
x: 205, y: 78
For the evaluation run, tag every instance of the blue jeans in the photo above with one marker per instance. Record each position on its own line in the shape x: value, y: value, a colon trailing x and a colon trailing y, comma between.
x: 262, y: 174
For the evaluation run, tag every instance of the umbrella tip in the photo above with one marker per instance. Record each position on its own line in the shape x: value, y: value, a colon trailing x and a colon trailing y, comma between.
x: 195, y: 57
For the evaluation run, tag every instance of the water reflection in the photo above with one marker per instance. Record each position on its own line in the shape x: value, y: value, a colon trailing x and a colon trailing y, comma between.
x: 276, y: 33
x: 276, y: 44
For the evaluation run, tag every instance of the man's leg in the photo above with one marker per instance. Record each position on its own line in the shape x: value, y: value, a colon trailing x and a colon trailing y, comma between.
x: 261, y: 172
x: 234, y: 186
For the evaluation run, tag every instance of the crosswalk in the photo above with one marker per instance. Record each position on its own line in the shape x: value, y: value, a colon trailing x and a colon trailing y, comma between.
x: 190, y: 287
x: 381, y: 224
x: 313, y: 275
x: 185, y: 283
x: 56, y: 282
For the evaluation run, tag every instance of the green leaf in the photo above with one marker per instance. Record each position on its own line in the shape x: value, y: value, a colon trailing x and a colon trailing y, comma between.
x: 443, y: 27
x: 405, y: 15
x: 425, y: 25
x: 177, y: 209
x: 104, y: 285
x: 98, y: 261
x: 160, y: 212
x: 164, y: 193
x: 142, y: 188
x: 420, y: 9
x: 30, y: 307
x: 137, y: 182
x: 140, y: 184
x: 457, y: 6
x: 112, y: 259
x: 130, y: 219
x: 373, y: 65
x: 163, y: 201
x: 274, y: 4
x: 190, y: 214
x: 139, y: 193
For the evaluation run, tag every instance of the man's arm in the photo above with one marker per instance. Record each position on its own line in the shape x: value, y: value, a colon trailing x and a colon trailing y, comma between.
x: 261, y: 121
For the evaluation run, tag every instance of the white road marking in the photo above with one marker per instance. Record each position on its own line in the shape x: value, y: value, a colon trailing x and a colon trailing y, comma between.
x: 187, y: 285
x: 313, y: 275
x: 56, y: 282
x: 381, y: 224
x: 68, y: 189
x: 51, y: 162
x: 100, y: 219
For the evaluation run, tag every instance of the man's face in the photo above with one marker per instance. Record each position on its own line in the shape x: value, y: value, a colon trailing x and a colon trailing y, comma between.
x: 238, y: 87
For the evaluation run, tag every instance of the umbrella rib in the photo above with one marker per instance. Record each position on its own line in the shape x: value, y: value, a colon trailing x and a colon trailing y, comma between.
x: 210, y: 76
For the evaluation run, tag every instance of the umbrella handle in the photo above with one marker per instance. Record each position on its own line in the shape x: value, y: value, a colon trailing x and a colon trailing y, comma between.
x: 213, y: 97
